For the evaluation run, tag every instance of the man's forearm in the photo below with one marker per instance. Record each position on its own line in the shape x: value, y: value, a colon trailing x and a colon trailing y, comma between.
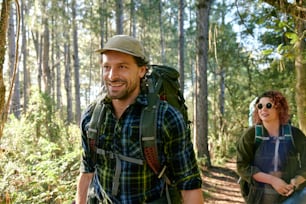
x: 82, y: 187
x: 192, y: 196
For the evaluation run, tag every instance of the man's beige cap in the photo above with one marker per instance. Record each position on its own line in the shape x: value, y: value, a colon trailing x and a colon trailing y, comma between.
x: 125, y: 44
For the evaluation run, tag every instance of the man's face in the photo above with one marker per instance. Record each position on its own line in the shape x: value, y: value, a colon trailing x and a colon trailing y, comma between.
x: 121, y: 75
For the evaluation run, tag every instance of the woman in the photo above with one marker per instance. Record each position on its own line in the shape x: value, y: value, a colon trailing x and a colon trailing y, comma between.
x: 272, y: 164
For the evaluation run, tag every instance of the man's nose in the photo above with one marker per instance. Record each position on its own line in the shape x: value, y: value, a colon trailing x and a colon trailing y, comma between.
x: 113, y: 73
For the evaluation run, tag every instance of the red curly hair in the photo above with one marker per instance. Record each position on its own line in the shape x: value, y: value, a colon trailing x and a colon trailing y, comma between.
x: 280, y: 103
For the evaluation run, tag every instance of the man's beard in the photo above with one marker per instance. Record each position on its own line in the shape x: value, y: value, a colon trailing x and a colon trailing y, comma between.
x: 122, y: 94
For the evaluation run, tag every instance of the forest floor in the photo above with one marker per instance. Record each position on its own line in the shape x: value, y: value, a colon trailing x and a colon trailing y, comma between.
x: 220, y: 184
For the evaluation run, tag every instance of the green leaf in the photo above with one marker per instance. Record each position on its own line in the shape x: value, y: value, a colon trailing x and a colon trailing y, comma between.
x: 292, y: 36
x: 267, y: 52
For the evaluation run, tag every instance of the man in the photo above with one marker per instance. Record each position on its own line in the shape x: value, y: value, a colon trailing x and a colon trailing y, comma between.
x: 116, y: 177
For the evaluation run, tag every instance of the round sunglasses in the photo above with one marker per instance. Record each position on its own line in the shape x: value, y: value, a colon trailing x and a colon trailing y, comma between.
x: 268, y: 106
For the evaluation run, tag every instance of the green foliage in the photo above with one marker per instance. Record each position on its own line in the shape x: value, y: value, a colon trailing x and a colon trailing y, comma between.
x: 40, y: 116
x: 237, y: 74
x: 37, y: 168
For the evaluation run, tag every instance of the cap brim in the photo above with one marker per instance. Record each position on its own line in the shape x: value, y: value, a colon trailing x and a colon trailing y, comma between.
x: 101, y: 51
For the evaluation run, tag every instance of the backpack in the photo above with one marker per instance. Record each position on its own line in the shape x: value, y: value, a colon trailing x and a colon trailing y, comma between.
x: 160, y: 83
x: 259, y: 137
x: 259, y: 131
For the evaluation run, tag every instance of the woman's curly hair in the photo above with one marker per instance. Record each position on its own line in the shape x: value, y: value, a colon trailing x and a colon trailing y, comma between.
x: 279, y: 102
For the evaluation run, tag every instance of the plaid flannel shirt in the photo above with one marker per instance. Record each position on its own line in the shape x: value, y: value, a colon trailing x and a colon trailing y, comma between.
x: 138, y: 183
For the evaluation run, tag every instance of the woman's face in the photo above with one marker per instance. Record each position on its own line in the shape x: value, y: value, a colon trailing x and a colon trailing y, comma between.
x: 267, y: 111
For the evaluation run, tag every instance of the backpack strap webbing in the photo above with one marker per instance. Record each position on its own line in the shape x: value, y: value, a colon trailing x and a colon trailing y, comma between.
x: 259, y: 134
x: 148, y: 124
x: 94, y: 127
x: 286, y: 130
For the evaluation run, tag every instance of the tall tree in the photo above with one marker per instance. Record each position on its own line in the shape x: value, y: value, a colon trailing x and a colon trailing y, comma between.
x: 37, y: 39
x: 46, y: 72
x: 24, y: 50
x: 58, y: 76
x: 119, y: 16
x: 76, y: 64
x: 133, y: 19
x: 15, y: 102
x: 181, y: 47
x: 68, y: 81
x: 201, y: 102
x: 5, y: 10
x: 161, y: 35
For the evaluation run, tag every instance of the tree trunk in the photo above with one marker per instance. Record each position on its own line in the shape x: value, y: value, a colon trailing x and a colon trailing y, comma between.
x: 46, y: 73
x: 119, y: 16
x: 5, y: 10
x: 133, y: 19
x: 26, y: 78
x: 103, y: 34
x: 67, y: 81
x: 300, y: 67
x: 58, y: 77
x: 15, y: 102
x: 201, y: 102
x: 37, y: 39
x: 76, y: 65
x: 161, y: 27
x: 181, y: 44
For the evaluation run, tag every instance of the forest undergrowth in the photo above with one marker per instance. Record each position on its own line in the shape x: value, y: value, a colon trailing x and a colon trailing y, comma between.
x: 40, y: 155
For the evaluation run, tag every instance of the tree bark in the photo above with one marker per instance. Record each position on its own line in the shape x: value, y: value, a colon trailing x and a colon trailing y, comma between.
x: 119, y: 16
x: 161, y: 27
x: 133, y: 20
x: 67, y: 82
x: 300, y: 67
x: 5, y: 10
x: 181, y: 44
x: 76, y: 65
x: 46, y: 73
x: 201, y: 102
x: 58, y: 77
x: 15, y: 101
x: 26, y: 77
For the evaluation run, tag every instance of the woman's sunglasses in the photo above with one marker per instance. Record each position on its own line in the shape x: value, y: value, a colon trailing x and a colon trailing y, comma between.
x: 268, y: 106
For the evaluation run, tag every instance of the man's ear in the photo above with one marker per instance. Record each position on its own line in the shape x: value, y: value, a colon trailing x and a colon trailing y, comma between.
x: 143, y: 71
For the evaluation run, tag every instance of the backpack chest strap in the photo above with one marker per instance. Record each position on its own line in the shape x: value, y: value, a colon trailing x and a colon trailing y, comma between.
x: 118, y: 157
x: 111, y: 155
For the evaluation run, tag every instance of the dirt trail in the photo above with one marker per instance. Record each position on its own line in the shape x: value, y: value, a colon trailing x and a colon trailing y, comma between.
x: 220, y: 185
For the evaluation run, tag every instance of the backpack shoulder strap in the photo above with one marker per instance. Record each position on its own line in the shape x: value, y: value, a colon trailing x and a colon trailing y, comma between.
x: 94, y: 126
x: 148, y: 135
x: 288, y: 133
x: 147, y: 122
x: 259, y: 135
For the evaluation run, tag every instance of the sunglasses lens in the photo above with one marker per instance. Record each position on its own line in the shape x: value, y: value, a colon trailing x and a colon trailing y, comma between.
x: 269, y: 105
